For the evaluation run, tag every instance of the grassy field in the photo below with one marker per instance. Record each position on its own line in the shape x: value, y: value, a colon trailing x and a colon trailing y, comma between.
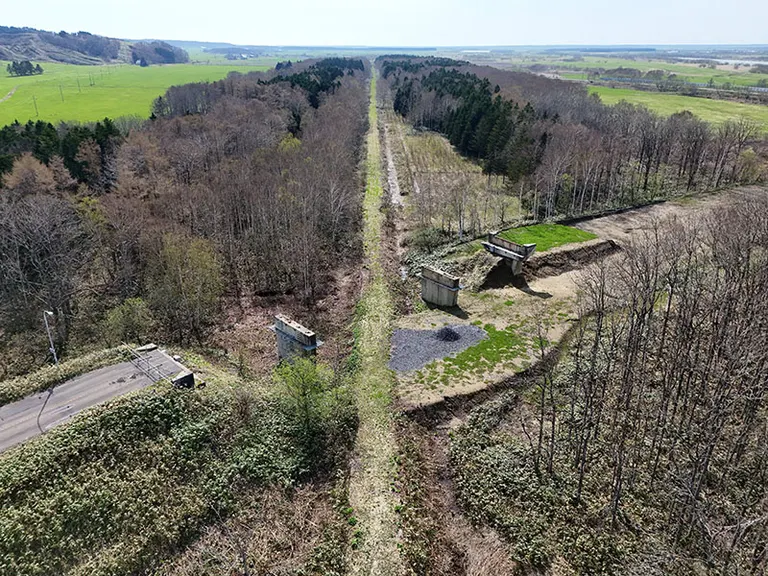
x: 211, y: 58
x: 711, y: 110
x: 87, y: 93
x: 577, y: 69
x: 547, y: 236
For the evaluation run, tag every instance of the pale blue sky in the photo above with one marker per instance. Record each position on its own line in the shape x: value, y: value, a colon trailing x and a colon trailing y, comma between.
x: 405, y: 22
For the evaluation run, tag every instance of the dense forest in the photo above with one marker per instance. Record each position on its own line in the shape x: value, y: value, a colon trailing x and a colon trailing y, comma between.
x: 244, y: 186
x: 563, y: 152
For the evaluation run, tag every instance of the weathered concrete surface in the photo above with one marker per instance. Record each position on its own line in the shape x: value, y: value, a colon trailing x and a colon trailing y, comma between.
x: 293, y: 339
x: 439, y: 288
x: 512, y: 253
x: 35, y: 414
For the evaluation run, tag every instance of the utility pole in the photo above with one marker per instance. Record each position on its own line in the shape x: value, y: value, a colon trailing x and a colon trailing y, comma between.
x: 34, y: 99
x: 61, y: 92
x: 52, y: 349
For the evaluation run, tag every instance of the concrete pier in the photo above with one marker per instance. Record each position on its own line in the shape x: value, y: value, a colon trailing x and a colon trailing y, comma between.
x: 293, y: 339
x: 514, y: 254
x: 439, y: 288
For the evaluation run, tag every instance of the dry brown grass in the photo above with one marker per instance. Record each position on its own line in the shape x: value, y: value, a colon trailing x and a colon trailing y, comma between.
x: 433, y: 523
x: 276, y: 534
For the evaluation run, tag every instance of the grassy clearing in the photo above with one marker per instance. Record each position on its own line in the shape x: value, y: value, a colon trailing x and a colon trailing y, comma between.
x: 500, y: 351
x: 91, y: 93
x: 370, y: 489
x: 547, y: 236
x: 449, y: 185
x: 716, y: 111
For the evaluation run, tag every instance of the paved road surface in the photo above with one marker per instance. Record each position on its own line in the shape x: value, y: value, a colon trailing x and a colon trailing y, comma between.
x: 19, y: 421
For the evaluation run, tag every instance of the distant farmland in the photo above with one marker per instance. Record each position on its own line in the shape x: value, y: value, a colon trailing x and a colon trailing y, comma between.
x: 88, y: 93
x: 716, y: 111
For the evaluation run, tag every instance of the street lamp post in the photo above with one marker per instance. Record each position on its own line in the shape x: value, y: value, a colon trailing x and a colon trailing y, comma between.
x: 47, y: 313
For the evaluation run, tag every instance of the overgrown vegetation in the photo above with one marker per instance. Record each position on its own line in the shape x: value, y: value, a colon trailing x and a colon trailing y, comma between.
x: 240, y: 188
x: 132, y: 481
x: 375, y: 542
x: 497, y: 482
x: 563, y: 153
x: 644, y: 449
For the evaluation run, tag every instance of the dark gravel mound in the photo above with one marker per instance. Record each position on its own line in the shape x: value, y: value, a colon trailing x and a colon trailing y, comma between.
x: 414, y: 349
x: 447, y: 334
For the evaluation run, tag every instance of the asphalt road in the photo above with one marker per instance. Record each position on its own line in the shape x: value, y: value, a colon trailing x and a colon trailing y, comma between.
x: 27, y: 418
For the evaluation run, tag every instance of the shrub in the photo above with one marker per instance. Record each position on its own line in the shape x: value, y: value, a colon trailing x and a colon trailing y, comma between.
x: 131, y: 321
x: 428, y: 239
x: 322, y: 406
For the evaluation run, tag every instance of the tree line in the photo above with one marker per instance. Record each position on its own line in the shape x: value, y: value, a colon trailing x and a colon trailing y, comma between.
x: 237, y: 188
x: 564, y: 153
x: 87, y: 152
x: 84, y: 42
x: 23, y: 68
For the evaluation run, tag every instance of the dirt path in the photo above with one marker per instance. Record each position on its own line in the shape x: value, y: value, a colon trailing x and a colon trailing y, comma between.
x: 394, y: 185
x: 8, y: 96
x: 374, y: 467
x: 622, y: 227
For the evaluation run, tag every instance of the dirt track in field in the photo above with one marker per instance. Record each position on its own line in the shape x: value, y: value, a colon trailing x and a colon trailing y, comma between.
x: 8, y: 96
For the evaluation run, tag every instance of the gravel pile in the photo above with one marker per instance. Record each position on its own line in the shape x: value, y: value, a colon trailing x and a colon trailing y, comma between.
x: 414, y: 349
x: 447, y: 334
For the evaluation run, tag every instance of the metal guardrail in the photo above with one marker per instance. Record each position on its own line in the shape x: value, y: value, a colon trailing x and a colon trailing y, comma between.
x: 146, y: 367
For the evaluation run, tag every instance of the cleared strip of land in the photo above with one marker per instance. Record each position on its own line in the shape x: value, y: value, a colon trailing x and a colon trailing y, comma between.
x: 374, y: 465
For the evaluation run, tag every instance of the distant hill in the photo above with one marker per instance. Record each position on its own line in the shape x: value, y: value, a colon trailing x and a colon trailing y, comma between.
x: 81, y: 48
x: 157, y: 53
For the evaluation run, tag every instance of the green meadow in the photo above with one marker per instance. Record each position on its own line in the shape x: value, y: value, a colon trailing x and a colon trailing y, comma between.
x: 546, y: 236
x: 66, y: 92
x: 578, y: 69
x: 716, y: 111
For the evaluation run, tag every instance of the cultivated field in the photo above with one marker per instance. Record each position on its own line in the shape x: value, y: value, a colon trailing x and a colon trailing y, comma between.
x: 66, y: 92
x: 577, y: 68
x: 715, y: 111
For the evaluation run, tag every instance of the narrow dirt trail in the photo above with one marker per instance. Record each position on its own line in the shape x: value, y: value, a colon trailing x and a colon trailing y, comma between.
x: 374, y: 467
x: 8, y: 96
x: 394, y: 185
